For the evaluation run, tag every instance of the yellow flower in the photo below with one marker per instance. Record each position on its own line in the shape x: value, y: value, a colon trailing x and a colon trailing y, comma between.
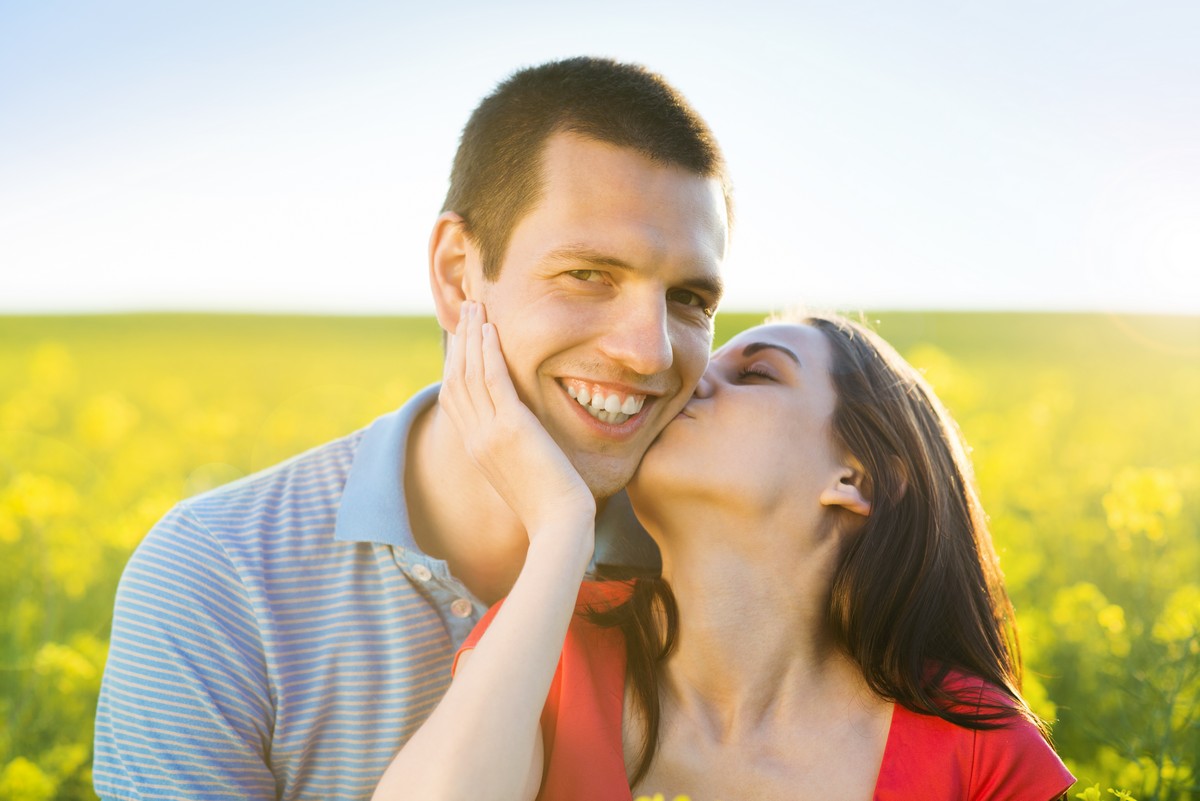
x: 1141, y: 500
x: 1180, y: 617
x: 22, y: 780
x: 70, y: 670
x: 39, y: 498
x: 51, y: 368
x: 106, y: 419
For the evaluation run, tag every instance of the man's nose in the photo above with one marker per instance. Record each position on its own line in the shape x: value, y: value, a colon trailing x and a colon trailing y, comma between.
x: 639, y: 338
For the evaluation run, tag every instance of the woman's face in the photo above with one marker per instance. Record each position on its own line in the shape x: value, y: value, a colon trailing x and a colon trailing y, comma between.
x: 756, y: 434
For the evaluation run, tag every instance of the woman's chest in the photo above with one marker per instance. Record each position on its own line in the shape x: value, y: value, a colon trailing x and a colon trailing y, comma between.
x: 829, y: 763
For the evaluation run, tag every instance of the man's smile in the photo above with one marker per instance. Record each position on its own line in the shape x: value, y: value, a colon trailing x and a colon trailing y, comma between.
x: 606, y: 404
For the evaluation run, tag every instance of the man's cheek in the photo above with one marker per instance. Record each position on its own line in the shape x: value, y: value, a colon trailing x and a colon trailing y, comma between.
x: 531, y: 389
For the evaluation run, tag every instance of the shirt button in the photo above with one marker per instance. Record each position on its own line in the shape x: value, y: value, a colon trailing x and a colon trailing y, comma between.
x: 461, y: 607
x: 422, y: 573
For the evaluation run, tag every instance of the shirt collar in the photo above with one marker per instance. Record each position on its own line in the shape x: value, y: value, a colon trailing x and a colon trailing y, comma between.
x: 373, y: 507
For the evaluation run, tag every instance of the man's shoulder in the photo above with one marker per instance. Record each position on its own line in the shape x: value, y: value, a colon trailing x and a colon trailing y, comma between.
x: 324, y: 467
x: 300, y: 493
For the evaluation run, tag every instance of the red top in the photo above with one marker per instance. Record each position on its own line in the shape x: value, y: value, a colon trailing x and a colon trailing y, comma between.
x: 925, y: 757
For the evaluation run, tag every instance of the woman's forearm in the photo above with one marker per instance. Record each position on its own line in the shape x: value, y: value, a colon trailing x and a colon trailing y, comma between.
x: 483, y: 740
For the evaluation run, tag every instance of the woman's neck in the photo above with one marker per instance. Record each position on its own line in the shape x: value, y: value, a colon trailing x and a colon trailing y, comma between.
x: 754, y: 649
x: 757, y: 699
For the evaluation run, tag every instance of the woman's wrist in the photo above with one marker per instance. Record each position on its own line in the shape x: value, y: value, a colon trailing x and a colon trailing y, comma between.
x: 566, y: 543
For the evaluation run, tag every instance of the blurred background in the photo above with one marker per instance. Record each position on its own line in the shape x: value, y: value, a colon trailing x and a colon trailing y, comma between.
x: 213, y: 226
x: 292, y: 156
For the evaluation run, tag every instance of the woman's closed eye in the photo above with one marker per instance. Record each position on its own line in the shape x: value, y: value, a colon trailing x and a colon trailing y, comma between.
x: 756, y: 371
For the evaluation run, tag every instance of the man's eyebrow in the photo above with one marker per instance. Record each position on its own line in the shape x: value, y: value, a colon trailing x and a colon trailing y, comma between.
x: 755, y: 347
x: 713, y: 287
x: 578, y: 254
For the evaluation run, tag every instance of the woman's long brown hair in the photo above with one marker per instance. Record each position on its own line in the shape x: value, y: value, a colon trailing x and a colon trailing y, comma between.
x: 918, y: 591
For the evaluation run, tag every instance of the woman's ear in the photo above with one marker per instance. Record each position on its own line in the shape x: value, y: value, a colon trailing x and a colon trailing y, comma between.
x: 450, y: 255
x: 848, y: 492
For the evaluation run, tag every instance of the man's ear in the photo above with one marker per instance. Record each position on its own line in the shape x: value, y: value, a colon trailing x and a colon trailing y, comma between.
x: 849, y: 492
x: 450, y: 279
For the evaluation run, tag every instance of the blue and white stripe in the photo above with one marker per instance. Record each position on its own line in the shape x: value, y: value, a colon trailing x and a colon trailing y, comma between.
x: 280, y: 637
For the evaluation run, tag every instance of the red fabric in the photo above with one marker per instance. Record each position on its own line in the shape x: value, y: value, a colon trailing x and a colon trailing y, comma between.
x: 925, y: 758
x: 931, y: 759
x: 581, y: 722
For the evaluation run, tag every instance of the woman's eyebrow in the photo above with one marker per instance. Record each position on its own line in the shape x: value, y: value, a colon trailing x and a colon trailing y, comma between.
x: 755, y: 347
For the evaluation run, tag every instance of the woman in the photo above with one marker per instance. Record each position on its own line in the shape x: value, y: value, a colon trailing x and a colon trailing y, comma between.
x: 830, y: 622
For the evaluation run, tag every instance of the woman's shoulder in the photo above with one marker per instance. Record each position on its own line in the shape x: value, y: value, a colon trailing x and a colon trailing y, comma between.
x: 1008, y: 759
x: 962, y: 693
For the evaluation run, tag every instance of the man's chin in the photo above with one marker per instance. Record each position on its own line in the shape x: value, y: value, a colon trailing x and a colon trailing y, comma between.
x: 605, y: 478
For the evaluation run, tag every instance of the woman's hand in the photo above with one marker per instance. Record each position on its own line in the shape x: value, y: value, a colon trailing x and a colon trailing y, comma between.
x: 507, y: 443
x: 485, y: 734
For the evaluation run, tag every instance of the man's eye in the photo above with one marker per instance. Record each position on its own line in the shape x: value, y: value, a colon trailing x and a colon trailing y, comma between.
x: 586, y: 275
x: 690, y: 298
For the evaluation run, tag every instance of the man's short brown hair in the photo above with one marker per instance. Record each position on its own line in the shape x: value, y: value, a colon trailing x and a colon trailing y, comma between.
x: 497, y: 172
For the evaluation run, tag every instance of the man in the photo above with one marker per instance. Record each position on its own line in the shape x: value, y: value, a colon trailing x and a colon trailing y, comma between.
x: 282, y: 636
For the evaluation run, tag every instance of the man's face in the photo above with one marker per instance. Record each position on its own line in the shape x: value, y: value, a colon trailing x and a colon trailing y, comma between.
x: 606, y: 295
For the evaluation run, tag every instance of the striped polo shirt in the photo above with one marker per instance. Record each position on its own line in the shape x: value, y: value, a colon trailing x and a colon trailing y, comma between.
x: 280, y: 637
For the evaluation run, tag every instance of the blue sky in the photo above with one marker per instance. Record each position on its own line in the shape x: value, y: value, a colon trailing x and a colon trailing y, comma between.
x: 292, y: 156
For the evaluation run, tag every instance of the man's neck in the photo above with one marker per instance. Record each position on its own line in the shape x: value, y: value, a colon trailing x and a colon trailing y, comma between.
x: 454, y: 512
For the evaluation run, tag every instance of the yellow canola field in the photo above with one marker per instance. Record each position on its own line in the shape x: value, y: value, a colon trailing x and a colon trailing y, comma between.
x: 1085, y: 432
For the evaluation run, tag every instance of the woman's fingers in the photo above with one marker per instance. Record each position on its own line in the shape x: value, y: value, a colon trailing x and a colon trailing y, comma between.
x: 478, y: 393
x: 495, y: 373
x: 505, y: 440
x: 473, y: 367
x: 452, y: 368
x: 454, y: 396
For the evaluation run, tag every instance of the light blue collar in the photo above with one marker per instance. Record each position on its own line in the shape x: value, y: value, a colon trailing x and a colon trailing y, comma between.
x: 373, y: 507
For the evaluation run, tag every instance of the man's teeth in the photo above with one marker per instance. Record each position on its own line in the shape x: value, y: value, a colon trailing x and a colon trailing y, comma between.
x: 606, y: 408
